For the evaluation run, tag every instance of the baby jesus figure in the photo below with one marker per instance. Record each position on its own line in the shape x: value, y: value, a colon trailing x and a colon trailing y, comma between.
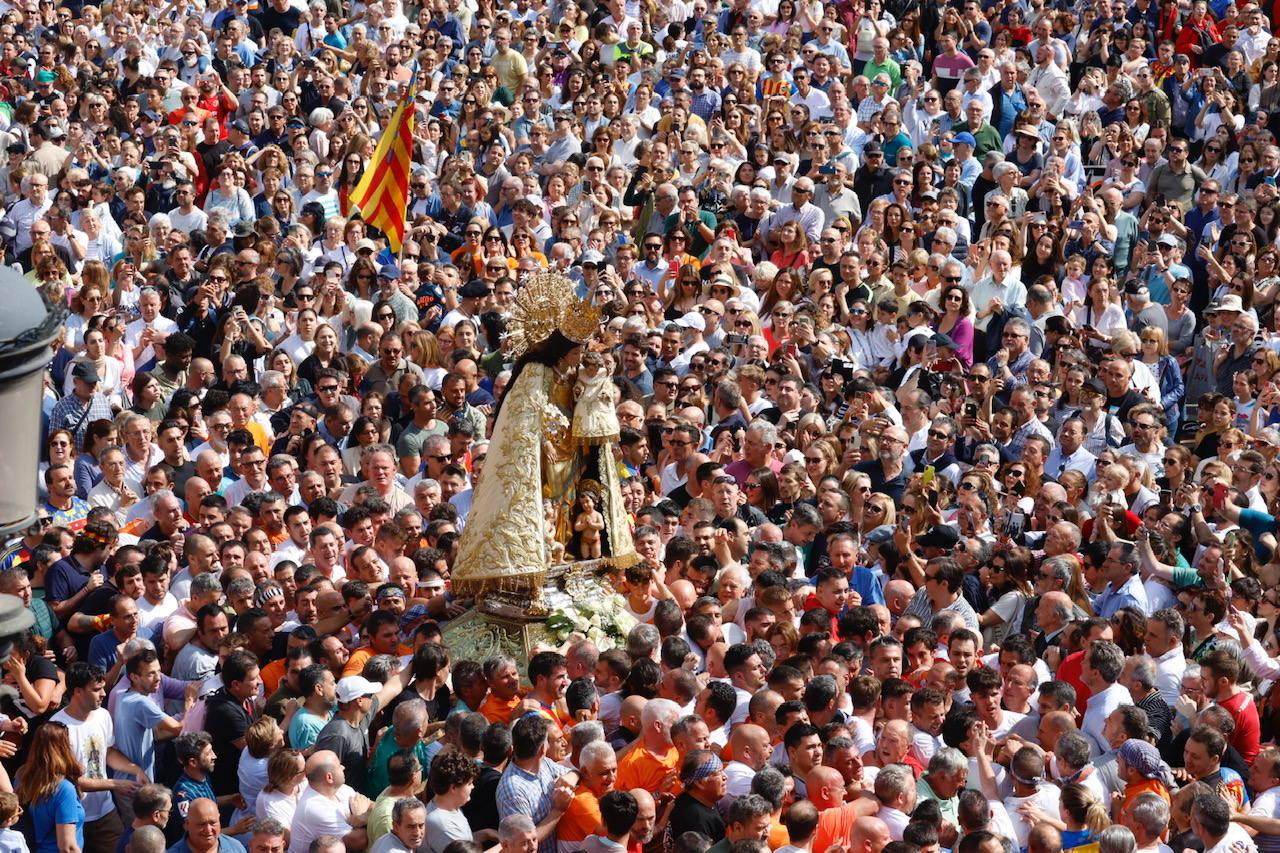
x: 588, y: 523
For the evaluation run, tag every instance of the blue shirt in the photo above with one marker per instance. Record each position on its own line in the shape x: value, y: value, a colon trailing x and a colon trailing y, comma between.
x: 186, y: 791
x: 61, y: 807
x: 1130, y: 594
x: 65, y: 579
x: 867, y: 584
x: 137, y: 715
x: 102, y: 649
x: 226, y: 844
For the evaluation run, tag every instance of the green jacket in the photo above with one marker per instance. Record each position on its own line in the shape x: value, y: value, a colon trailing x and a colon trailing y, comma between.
x: 987, y: 137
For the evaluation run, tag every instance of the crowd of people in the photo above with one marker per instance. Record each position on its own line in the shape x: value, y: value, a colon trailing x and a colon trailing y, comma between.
x: 944, y: 339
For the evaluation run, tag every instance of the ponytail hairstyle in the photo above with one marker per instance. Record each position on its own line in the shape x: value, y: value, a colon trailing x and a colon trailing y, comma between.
x: 1084, y: 808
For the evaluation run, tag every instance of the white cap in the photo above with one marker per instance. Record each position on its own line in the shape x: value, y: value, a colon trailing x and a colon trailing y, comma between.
x: 354, y: 686
x: 693, y: 320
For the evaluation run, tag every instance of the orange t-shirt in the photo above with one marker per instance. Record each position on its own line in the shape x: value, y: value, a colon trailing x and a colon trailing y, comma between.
x: 496, y: 710
x: 581, y: 819
x: 1146, y: 786
x: 640, y: 768
x: 361, y: 656
x: 272, y: 674
x: 834, y: 826
x: 778, y: 836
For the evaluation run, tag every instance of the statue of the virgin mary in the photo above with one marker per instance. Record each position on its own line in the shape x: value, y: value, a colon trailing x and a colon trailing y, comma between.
x: 521, y: 520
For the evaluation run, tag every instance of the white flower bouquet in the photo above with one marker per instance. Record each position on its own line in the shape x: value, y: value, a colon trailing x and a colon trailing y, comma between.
x: 604, y: 621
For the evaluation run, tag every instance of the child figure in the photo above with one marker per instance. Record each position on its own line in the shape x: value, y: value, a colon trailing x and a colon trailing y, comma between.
x: 595, y: 419
x: 11, y: 841
x: 588, y: 524
x: 555, y: 550
x: 1075, y: 284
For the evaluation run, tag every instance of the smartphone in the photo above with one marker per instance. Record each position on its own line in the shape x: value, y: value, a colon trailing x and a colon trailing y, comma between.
x: 970, y: 410
x: 1076, y: 224
x: 1017, y: 522
x: 735, y: 340
x: 1219, y: 494
x: 927, y: 477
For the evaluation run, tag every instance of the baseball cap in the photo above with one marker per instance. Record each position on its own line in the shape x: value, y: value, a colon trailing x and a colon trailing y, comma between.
x: 364, y: 244
x: 942, y: 536
x: 86, y: 371
x: 354, y: 686
x: 692, y: 320
x: 965, y: 138
x: 390, y: 271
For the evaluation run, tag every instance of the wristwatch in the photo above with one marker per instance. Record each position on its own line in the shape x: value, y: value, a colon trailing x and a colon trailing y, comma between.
x: 1196, y: 509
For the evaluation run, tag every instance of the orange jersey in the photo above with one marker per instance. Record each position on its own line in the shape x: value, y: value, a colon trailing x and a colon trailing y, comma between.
x: 640, y: 768
x: 496, y: 710
x: 581, y: 819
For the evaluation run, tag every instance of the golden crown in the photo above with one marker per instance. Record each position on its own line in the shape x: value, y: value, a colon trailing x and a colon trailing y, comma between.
x: 547, y: 302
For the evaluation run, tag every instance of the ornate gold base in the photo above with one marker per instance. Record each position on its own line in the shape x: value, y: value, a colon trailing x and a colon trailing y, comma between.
x: 478, y: 635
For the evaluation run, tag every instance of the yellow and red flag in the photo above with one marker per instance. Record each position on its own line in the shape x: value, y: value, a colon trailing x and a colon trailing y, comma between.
x: 383, y: 191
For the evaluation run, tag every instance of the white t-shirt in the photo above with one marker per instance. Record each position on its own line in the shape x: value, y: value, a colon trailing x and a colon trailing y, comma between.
x: 90, y: 740
x: 149, y: 614
x: 1267, y: 804
x: 320, y: 815
x: 1045, y: 799
x: 133, y: 335
x: 278, y: 805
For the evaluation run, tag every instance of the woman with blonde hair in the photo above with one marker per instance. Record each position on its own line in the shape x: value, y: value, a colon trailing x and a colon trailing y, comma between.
x: 426, y: 353
x: 285, y: 783
x: 1154, y: 353
x: 877, y: 511
x: 1081, y: 815
x: 821, y: 459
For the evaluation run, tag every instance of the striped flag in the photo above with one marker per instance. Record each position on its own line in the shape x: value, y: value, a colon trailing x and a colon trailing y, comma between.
x: 383, y: 191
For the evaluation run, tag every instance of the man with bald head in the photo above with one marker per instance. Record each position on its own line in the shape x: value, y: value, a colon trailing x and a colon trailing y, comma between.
x: 1125, y: 224
x: 1053, y: 613
x: 1061, y: 539
x: 646, y: 816
x: 329, y: 806
x: 684, y: 593
x: 825, y: 788
x: 750, y: 749
x: 1052, y: 726
x: 202, y: 830
x: 869, y: 835
x: 897, y: 595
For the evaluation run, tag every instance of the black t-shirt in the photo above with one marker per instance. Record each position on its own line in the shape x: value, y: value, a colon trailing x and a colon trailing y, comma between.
x: 689, y: 815
x: 226, y: 720
x: 1119, y: 406
x: 481, y: 811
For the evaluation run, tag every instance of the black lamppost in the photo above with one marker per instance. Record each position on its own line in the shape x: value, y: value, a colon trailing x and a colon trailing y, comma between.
x: 27, y: 326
